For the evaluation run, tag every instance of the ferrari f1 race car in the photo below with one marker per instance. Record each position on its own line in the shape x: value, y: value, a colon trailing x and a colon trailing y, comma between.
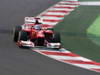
x: 33, y: 34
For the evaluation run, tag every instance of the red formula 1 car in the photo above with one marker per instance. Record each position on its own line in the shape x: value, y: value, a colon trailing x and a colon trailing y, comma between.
x: 33, y: 34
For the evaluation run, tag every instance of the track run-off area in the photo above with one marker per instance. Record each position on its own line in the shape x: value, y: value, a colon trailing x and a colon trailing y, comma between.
x: 16, y: 61
x: 56, y: 14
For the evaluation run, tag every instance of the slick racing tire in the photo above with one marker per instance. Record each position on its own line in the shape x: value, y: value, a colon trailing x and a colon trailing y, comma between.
x: 16, y: 33
x: 23, y: 36
x: 56, y: 38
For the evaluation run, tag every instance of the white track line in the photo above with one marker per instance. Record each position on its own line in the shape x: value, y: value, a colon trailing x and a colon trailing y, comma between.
x: 93, y: 3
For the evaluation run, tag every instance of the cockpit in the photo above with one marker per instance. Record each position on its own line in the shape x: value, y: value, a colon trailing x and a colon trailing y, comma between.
x: 37, y: 27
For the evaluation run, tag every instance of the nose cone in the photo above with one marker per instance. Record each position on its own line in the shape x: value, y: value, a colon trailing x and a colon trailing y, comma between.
x: 40, y: 34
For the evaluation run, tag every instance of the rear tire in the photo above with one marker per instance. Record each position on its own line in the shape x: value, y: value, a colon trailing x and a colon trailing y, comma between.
x: 16, y: 33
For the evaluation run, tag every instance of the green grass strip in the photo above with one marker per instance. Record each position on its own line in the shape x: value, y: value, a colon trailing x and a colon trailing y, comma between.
x: 94, y: 31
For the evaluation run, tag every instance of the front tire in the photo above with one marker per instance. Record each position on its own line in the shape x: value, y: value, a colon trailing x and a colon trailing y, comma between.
x: 23, y: 36
x: 56, y: 38
x: 16, y: 33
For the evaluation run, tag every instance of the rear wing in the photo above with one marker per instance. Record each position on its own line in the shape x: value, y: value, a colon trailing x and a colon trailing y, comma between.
x: 29, y: 20
x: 32, y: 20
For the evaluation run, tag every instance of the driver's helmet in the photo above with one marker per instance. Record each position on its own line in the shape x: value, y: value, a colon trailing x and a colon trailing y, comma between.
x: 37, y: 27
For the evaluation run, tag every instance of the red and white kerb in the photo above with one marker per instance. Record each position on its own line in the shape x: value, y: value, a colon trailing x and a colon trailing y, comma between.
x: 71, y: 58
x: 56, y: 13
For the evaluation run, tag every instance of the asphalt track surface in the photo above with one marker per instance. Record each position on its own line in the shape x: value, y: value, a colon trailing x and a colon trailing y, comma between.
x: 16, y: 61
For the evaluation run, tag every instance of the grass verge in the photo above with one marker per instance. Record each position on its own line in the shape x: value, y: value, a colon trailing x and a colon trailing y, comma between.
x: 94, y: 31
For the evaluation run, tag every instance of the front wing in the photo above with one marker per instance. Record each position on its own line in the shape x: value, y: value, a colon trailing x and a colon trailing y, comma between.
x: 32, y: 45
